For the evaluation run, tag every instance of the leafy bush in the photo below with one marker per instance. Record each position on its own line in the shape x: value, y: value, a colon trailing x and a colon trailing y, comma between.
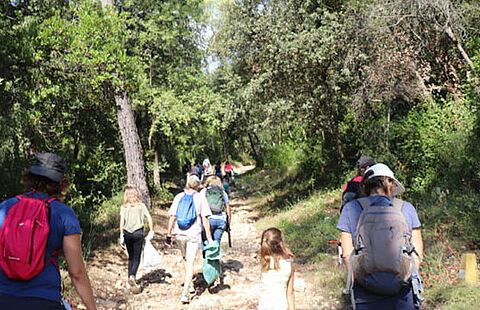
x: 285, y: 158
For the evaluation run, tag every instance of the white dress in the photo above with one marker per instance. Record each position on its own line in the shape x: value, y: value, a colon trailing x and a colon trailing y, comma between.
x: 273, y: 292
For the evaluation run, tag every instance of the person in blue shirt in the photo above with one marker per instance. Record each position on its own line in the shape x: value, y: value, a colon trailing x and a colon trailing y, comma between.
x: 45, y: 179
x: 380, y: 186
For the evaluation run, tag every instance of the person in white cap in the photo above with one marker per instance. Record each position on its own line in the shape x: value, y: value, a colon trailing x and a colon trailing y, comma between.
x: 388, y: 222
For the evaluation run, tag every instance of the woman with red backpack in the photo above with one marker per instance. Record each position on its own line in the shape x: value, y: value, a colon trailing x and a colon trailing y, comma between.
x: 56, y: 230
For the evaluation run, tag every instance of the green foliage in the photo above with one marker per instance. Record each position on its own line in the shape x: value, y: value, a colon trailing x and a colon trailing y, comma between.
x: 285, y: 158
x: 431, y: 142
x: 303, y: 236
x: 162, y: 194
x: 456, y: 297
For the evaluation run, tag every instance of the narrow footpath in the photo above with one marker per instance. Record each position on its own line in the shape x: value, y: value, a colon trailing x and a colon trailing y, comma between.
x: 162, y: 286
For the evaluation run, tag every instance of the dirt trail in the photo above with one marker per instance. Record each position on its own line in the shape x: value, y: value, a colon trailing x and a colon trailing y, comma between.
x: 162, y: 286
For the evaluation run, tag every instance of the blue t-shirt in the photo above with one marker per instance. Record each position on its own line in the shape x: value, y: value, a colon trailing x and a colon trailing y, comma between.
x: 348, y: 223
x: 47, y: 284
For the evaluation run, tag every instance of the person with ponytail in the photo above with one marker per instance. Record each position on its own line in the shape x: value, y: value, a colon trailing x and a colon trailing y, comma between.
x: 277, y: 272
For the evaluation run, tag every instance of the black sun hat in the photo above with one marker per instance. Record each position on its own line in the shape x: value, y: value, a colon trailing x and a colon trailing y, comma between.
x: 49, y: 165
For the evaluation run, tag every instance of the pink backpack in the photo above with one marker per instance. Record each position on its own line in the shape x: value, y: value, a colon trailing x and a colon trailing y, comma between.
x: 23, y: 238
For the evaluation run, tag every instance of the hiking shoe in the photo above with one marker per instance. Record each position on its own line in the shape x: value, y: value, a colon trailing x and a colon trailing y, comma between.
x: 131, y: 281
x: 135, y: 289
x: 185, y: 299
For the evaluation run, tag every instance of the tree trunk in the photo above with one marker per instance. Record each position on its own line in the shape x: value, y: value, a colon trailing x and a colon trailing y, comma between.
x: 255, y: 154
x: 156, y: 170
x: 131, y: 141
x: 133, y: 147
x: 225, y: 145
x: 453, y: 37
x: 336, y: 133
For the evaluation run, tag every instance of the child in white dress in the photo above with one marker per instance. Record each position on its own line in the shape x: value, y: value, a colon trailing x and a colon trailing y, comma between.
x: 277, y: 272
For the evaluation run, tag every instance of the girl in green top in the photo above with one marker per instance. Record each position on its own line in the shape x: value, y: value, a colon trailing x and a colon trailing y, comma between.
x: 132, y: 214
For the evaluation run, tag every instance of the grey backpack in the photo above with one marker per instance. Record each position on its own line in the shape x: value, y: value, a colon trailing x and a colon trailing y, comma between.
x: 382, y: 261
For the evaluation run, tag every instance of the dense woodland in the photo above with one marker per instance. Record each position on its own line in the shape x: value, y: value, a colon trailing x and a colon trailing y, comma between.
x: 127, y: 90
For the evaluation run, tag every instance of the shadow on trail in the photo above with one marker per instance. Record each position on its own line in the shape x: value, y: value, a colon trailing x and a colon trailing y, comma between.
x: 232, y: 265
x: 154, y: 276
x: 201, y: 286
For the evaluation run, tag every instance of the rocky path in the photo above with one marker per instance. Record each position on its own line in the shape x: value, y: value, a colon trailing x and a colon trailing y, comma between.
x: 161, y: 287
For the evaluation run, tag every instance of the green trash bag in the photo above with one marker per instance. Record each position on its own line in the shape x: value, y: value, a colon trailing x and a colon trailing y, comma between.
x: 211, y: 265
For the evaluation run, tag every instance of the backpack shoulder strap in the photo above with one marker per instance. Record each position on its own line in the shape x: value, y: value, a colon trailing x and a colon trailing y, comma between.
x: 47, y: 199
x: 364, y: 202
x: 398, y: 204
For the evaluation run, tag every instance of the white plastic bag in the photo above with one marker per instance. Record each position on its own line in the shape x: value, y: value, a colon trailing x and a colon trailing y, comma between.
x: 151, y: 257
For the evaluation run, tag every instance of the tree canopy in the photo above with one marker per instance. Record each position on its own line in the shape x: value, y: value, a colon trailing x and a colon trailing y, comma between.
x: 304, y: 84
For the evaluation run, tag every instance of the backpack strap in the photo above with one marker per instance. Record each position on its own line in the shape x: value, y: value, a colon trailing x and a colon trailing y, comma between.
x: 349, y: 285
x: 398, y: 204
x: 52, y: 260
x: 364, y: 202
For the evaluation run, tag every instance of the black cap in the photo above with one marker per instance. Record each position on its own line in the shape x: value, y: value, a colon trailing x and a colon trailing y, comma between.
x: 49, y: 165
x: 365, y: 161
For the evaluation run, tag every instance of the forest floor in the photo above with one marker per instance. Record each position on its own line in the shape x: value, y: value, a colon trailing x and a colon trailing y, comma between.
x: 161, y: 287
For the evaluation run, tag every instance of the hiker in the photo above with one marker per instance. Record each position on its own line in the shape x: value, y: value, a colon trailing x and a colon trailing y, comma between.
x: 383, y: 274
x: 186, y: 167
x: 219, y: 205
x: 187, y: 212
x: 207, y: 168
x: 218, y: 169
x: 132, y: 215
x: 276, y: 292
x: 40, y: 288
x: 200, y: 171
x: 194, y: 170
x: 228, y: 169
x: 351, y: 190
x: 226, y: 184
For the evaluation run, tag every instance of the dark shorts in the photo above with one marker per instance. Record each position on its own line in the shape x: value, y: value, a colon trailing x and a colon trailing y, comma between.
x: 10, y: 302
x: 367, y: 301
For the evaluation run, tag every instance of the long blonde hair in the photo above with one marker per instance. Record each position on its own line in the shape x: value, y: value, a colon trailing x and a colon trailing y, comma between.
x: 131, y: 196
x: 273, y: 246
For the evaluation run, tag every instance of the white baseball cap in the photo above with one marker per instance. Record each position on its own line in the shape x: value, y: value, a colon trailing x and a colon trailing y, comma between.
x: 382, y: 170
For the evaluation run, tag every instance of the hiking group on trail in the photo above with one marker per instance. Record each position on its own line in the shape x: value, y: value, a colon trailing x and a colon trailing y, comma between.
x: 380, y: 235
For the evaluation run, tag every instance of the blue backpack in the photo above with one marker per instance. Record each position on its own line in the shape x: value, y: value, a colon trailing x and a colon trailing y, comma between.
x: 186, y: 213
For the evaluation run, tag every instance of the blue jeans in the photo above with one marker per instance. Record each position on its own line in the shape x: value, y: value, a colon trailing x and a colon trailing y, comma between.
x: 217, y: 227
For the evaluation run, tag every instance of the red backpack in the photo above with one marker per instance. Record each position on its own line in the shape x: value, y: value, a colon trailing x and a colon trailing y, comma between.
x: 23, y: 238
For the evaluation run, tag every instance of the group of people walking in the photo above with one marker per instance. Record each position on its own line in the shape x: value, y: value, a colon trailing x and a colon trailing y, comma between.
x: 380, y: 237
x: 198, y: 216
